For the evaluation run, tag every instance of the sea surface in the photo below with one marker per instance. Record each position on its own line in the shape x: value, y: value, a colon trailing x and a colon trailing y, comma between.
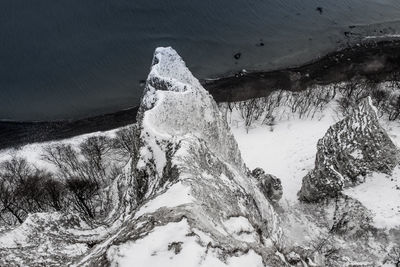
x: 67, y: 59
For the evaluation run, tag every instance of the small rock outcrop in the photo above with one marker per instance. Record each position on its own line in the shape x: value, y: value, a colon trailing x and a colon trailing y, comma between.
x: 351, y: 148
x: 351, y: 219
x: 269, y: 184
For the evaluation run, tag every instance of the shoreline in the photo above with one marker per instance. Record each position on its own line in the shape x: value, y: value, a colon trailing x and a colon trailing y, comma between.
x: 374, y: 61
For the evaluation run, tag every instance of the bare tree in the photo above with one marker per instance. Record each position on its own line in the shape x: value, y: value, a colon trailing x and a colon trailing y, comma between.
x: 9, y: 204
x: 126, y: 142
x: 394, y: 108
x: 87, y: 171
x: 25, y: 189
x: 250, y: 110
x: 83, y: 194
x: 55, y: 191
x: 16, y: 168
x: 394, y: 256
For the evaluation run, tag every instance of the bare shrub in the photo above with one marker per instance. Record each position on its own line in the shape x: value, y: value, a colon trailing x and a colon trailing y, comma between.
x: 91, y: 162
x: 303, y: 104
x: 83, y: 192
x: 323, y: 245
x: 393, y: 256
x: 126, y: 142
x: 25, y: 189
x: 393, y: 108
x: 251, y: 110
x: 55, y: 192
x: 11, y: 210
x: 89, y: 170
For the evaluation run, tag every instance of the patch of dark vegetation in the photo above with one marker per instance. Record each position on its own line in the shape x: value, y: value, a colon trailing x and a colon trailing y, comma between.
x: 393, y: 256
x: 176, y: 247
x: 80, y: 183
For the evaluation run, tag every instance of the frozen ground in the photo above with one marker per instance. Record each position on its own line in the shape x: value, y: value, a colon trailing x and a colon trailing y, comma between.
x: 288, y: 151
x: 156, y: 250
x: 33, y: 152
x: 381, y: 194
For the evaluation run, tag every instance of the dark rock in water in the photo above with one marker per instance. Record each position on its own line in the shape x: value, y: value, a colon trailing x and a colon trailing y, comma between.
x: 350, y: 149
x: 142, y: 83
x: 237, y: 55
x: 269, y: 185
x: 261, y: 43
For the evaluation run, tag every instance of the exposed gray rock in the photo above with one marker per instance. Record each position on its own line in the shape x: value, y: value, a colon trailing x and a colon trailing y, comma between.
x: 269, y: 184
x: 351, y: 148
x: 186, y: 147
x: 294, y: 259
x: 351, y: 219
x: 186, y: 187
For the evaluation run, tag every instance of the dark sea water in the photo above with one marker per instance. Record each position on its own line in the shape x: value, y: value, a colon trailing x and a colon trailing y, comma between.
x: 75, y: 58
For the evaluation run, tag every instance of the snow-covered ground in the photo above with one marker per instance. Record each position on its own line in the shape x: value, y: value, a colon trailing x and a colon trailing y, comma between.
x: 155, y: 249
x: 381, y: 194
x: 178, y: 194
x: 288, y: 151
x: 33, y: 152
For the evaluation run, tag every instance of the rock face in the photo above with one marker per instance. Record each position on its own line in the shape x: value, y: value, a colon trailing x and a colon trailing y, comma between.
x: 351, y: 219
x: 186, y: 198
x: 189, y: 175
x: 270, y: 185
x: 350, y: 149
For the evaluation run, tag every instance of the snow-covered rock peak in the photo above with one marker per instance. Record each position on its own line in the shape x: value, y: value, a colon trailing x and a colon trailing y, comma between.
x: 189, y: 173
x: 168, y: 72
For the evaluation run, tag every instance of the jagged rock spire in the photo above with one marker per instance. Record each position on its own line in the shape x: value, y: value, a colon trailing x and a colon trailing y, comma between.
x: 350, y: 149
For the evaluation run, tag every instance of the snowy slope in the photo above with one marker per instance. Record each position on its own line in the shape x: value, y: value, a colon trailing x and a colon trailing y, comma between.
x: 33, y: 152
x: 288, y: 151
x: 188, y: 198
x: 380, y: 193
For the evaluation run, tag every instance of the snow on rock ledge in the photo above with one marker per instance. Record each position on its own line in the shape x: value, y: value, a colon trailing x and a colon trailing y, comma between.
x: 185, y: 199
x: 189, y: 182
x: 350, y: 149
